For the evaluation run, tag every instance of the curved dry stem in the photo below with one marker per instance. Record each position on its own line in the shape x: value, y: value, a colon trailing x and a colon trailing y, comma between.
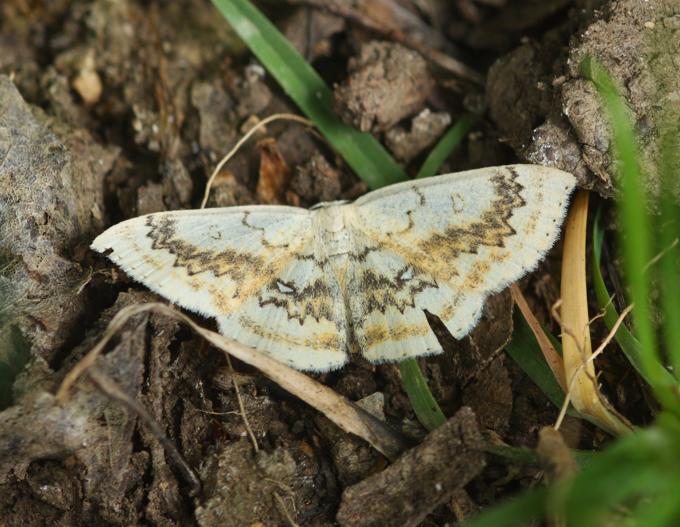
x: 549, y: 353
x: 239, y: 144
x: 242, y: 408
x: 347, y: 415
x: 576, y: 346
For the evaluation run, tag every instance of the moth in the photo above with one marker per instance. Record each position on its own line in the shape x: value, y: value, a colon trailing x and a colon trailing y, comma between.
x: 309, y: 286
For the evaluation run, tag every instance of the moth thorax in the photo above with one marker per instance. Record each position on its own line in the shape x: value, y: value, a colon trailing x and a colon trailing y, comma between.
x: 331, y: 222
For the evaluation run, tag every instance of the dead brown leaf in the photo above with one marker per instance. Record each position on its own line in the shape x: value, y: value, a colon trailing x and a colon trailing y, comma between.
x: 274, y: 173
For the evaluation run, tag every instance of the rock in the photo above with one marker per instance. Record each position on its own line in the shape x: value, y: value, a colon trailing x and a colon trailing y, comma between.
x: 552, y: 114
x: 51, y: 181
x: 387, y: 83
x: 422, y: 478
x: 426, y: 128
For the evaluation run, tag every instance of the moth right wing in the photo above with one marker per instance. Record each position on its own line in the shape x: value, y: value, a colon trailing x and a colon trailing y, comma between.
x: 443, y: 244
x: 257, y: 269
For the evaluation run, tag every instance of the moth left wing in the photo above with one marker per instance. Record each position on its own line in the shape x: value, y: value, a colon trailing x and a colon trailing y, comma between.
x: 444, y: 244
x: 258, y: 270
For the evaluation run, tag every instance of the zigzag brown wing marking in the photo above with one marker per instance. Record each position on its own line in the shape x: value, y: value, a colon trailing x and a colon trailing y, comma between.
x: 383, y: 289
x: 299, y: 317
x: 471, y: 233
x: 240, y: 265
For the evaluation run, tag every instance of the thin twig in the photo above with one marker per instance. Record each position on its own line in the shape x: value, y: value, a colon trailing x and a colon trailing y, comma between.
x: 660, y: 255
x: 208, y: 412
x: 248, y: 135
x: 286, y: 513
x: 113, y: 391
x: 87, y: 280
x: 241, y: 407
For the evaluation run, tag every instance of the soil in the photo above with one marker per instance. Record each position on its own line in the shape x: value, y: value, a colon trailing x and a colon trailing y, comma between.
x: 110, y: 110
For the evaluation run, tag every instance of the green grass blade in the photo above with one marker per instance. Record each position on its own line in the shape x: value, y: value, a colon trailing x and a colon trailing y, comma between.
x: 513, y: 454
x: 520, y: 510
x: 527, y: 456
x: 641, y: 465
x: 524, y: 350
x: 629, y: 344
x: 669, y: 247
x: 635, y: 465
x: 300, y: 81
x: 449, y: 141
x: 636, y: 225
x: 660, y: 511
x: 424, y: 404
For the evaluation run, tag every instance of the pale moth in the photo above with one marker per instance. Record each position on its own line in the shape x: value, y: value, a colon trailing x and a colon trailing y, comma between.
x: 308, y: 286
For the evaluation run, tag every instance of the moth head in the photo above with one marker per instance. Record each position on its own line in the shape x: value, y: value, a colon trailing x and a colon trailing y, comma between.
x: 326, y: 204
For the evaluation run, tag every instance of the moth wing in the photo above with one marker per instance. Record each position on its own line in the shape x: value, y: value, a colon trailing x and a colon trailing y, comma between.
x: 252, y: 268
x: 386, y: 306
x: 445, y: 244
x: 299, y: 317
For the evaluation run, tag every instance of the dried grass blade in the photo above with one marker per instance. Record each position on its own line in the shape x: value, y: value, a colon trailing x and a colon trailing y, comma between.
x: 551, y: 356
x: 576, y: 345
x: 347, y: 415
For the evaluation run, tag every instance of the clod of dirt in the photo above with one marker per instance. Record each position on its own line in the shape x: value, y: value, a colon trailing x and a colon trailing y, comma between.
x: 353, y: 459
x: 50, y: 200
x: 387, y: 83
x: 426, y: 128
x: 107, y: 466
x: 487, y: 389
x: 228, y: 191
x: 555, y: 145
x: 555, y: 456
x: 552, y: 115
x: 473, y: 369
x: 639, y: 44
x: 88, y: 440
x: 517, y: 94
x: 150, y: 198
x: 253, y: 95
x: 238, y: 491
x: 421, y: 479
x: 242, y: 487
x: 316, y: 180
x: 216, y: 115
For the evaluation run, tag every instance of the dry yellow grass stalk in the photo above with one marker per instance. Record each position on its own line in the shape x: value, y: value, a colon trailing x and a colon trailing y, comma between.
x: 579, y: 370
